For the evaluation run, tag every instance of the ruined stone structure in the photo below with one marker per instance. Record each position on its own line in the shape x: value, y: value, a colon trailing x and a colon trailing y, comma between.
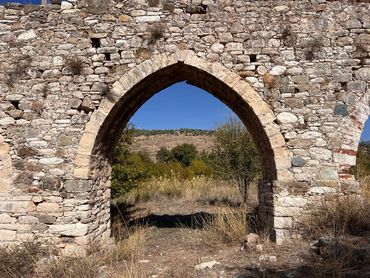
x: 297, y: 73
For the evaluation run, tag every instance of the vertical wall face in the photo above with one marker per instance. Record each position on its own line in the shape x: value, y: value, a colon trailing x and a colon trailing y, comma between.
x: 66, y: 71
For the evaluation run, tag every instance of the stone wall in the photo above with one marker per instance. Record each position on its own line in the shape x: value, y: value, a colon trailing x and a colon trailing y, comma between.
x: 296, y: 72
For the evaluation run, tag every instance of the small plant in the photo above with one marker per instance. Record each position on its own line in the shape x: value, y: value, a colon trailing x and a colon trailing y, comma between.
x: 168, y: 5
x: 153, y: 3
x: 74, y: 65
x: 19, y: 71
x: 97, y: 6
x: 156, y: 33
x: 312, y: 47
x: 288, y: 37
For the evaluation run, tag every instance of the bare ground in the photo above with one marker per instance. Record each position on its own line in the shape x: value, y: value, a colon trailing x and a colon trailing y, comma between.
x: 175, y: 246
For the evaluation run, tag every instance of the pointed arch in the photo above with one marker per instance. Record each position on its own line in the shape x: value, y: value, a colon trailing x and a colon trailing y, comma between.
x: 143, y: 81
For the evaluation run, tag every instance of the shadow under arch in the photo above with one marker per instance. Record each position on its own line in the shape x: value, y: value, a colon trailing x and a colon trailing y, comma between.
x: 92, y: 161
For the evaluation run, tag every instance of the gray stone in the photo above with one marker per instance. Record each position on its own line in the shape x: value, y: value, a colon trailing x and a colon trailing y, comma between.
x: 363, y: 74
x: 16, y: 114
x: 73, y: 230
x: 354, y: 86
x: 87, y: 105
x: 77, y: 186
x: 341, y: 109
x: 298, y: 161
x: 328, y: 173
x: 75, y: 103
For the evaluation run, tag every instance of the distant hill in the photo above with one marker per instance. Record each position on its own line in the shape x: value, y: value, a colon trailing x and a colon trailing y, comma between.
x: 150, y: 141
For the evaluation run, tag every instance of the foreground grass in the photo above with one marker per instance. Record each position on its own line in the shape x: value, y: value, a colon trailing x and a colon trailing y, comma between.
x: 342, y: 216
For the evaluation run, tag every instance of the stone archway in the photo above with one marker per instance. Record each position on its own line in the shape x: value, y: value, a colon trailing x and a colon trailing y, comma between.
x: 91, y: 164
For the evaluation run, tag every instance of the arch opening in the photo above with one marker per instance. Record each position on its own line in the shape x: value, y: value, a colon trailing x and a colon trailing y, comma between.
x: 94, y: 155
x: 131, y: 101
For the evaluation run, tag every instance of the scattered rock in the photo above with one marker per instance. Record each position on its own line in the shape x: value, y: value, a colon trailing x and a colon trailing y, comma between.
x: 205, y: 265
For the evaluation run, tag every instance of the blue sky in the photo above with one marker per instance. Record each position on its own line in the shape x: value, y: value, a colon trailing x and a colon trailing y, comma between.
x: 181, y: 105
x: 185, y: 106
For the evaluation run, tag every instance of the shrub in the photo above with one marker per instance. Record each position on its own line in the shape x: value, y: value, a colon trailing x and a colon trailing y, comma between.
x: 155, y: 33
x: 74, y: 65
x: 312, y: 47
x: 184, y: 153
x: 19, y: 71
x: 343, y: 216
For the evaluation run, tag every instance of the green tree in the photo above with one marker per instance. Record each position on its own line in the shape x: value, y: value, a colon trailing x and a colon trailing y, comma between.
x: 128, y: 169
x: 164, y: 155
x: 234, y: 155
x: 184, y: 153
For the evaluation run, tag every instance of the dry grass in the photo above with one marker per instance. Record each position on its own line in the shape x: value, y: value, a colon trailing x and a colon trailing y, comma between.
x: 68, y: 267
x: 229, y: 225
x: 343, y: 216
x: 199, y: 189
x: 19, y: 261
x: 74, y: 65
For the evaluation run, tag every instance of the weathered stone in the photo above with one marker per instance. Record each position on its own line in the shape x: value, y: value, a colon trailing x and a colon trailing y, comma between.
x: 87, y: 105
x: 75, y: 103
x: 50, y: 183
x: 298, y: 161
x: 363, y: 74
x: 47, y: 219
x: 278, y: 70
x: 17, y: 206
x: 28, y: 35
x: 341, y: 109
x: 320, y: 153
x: 77, y: 229
x: 51, y: 160
x: 286, y: 117
x: 328, y: 173
x: 76, y: 186
x: 64, y: 140
x: 16, y: 114
x: 48, y: 207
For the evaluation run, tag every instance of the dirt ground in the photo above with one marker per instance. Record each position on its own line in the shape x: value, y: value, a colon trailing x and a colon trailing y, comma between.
x: 176, y: 247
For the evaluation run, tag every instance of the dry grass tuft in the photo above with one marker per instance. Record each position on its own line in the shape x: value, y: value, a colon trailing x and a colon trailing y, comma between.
x: 19, y: 261
x: 74, y: 65
x: 130, y: 247
x: 343, y: 216
x: 228, y: 225
x: 68, y: 267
